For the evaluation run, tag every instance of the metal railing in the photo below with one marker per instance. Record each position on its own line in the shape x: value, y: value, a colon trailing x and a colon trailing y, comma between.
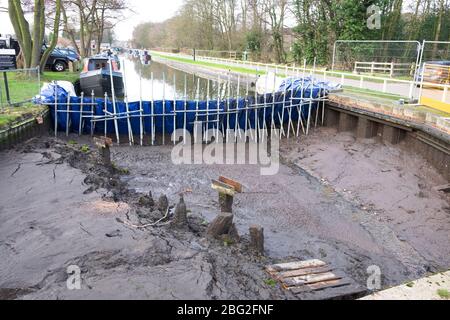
x: 412, y: 89
x: 385, y: 67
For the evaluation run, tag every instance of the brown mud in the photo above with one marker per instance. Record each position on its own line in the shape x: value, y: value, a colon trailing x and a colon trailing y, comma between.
x: 352, y: 204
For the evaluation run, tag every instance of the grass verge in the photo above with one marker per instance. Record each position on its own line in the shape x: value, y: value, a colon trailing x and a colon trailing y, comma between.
x: 23, y: 87
x: 211, y: 64
x: 14, y: 115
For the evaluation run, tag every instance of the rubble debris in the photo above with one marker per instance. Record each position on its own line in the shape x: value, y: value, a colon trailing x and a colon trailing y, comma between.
x: 257, y: 239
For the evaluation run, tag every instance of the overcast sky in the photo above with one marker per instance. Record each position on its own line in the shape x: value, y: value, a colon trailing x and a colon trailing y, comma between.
x: 144, y: 11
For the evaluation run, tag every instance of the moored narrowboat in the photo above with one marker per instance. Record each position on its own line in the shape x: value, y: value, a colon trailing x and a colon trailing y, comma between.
x: 100, y: 75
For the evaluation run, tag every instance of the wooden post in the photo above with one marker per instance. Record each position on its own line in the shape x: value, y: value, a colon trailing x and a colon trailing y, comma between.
x: 226, y: 203
x: 180, y: 220
x: 104, y: 145
x: 163, y: 203
x: 221, y: 225
x: 257, y: 238
x: 227, y: 188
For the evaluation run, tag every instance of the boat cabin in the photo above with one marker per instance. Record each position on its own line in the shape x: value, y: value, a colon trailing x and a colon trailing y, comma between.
x: 93, y: 64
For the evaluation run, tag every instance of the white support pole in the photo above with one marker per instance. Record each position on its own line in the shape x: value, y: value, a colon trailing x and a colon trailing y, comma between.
x: 174, y: 108
x: 80, y: 125
x: 56, y: 110
x: 300, y: 108
x: 164, y: 111
x: 218, y: 108
x: 228, y: 106
x: 141, y: 109
x: 318, y: 108
x: 113, y: 93
x: 290, y: 111
x: 311, y: 99
x: 67, y: 115
x: 92, y: 112
x: 246, y: 111
x: 207, y: 112
x: 105, y: 110
x: 197, y: 100
x: 256, y: 116
x: 272, y: 115
x: 152, y: 111
x: 185, y: 109
x: 236, y: 123
x: 411, y: 90
x: 265, y: 106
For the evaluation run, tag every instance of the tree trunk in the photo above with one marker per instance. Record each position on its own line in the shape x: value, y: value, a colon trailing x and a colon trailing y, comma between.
x: 438, y: 27
x: 22, y: 30
x: 39, y: 24
x: 55, y: 36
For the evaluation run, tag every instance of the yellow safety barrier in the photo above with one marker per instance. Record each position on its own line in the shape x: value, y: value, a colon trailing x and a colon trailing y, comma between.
x: 435, y: 104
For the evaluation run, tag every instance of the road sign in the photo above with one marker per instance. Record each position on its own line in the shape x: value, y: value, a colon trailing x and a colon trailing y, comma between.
x: 8, y: 59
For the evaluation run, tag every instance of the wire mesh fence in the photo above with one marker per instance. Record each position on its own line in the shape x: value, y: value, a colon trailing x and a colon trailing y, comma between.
x: 18, y: 86
x: 436, y: 51
x: 387, y: 58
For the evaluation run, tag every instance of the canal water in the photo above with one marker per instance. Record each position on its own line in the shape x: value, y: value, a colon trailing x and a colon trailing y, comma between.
x: 159, y: 81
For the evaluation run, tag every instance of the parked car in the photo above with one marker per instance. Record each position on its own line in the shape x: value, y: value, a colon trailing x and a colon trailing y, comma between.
x: 57, y: 61
x: 70, y: 53
x: 434, y: 72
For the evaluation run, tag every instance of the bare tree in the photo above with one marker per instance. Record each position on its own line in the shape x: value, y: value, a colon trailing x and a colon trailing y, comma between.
x: 31, y: 40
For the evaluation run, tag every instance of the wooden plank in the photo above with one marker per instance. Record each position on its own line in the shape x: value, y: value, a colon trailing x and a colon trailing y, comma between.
x: 295, y: 266
x: 346, y: 292
x: 223, y: 188
x: 236, y: 185
x: 321, y: 286
x: 303, y: 272
x: 310, y: 279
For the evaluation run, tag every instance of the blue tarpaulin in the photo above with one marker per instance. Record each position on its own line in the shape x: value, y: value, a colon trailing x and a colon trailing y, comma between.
x: 293, y: 94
